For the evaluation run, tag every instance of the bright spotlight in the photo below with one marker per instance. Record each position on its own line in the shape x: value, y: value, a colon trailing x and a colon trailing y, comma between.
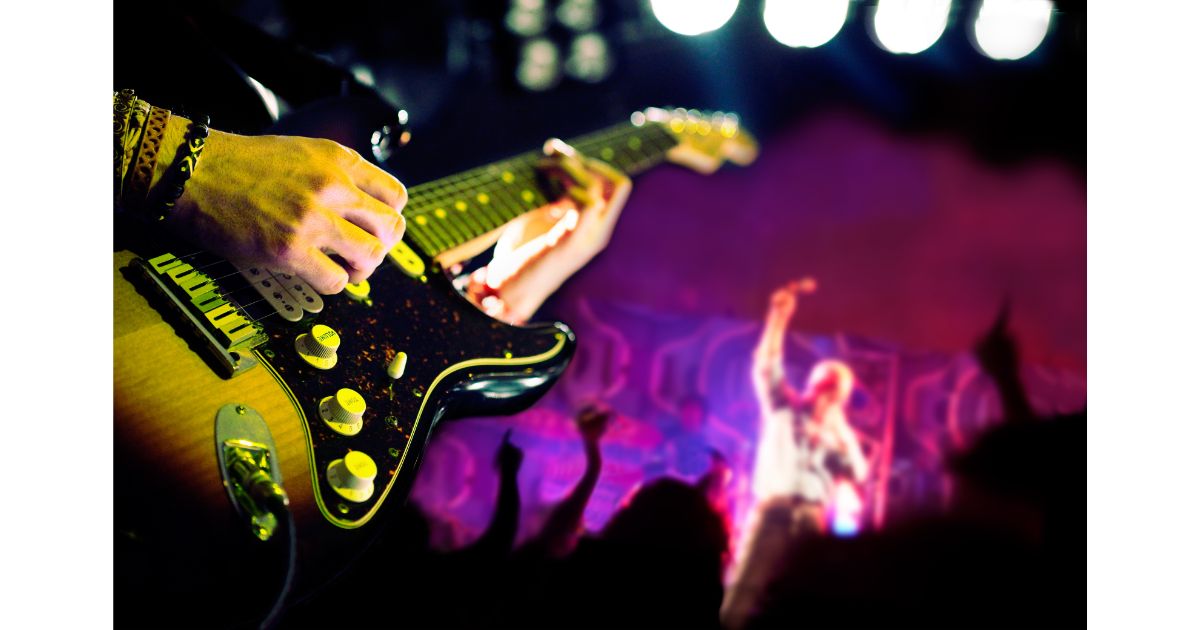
x: 693, y: 17
x: 804, y: 23
x: 910, y: 26
x: 1011, y: 29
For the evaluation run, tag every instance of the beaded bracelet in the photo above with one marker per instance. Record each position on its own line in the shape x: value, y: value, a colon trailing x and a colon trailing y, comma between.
x: 170, y: 189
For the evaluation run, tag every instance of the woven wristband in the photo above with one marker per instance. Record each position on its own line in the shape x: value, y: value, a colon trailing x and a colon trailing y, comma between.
x: 142, y: 171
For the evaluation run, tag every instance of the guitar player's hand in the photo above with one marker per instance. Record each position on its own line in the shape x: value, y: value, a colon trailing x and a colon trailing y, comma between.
x: 289, y: 203
x: 542, y: 248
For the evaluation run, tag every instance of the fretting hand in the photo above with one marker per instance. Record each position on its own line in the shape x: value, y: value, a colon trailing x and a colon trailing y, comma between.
x: 541, y: 249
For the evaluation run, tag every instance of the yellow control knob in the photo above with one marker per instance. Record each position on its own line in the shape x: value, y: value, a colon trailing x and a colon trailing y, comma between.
x: 353, y: 477
x: 358, y: 291
x: 343, y: 412
x: 318, y: 347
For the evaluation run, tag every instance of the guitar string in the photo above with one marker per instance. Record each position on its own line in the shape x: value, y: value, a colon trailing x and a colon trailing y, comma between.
x: 612, y: 133
x: 463, y: 182
x: 663, y: 142
x: 455, y: 186
x: 445, y: 233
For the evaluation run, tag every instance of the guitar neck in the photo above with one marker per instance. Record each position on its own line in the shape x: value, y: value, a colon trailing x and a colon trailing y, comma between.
x: 450, y: 211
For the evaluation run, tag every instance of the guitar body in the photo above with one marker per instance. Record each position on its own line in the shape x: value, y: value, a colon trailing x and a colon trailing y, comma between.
x: 181, y: 546
x: 201, y: 420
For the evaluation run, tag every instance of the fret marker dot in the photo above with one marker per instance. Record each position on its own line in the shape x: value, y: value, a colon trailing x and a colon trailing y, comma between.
x: 461, y: 206
x: 439, y: 213
x: 421, y: 220
x: 606, y: 153
x: 635, y: 143
x: 483, y: 198
x: 507, y: 176
x: 527, y: 195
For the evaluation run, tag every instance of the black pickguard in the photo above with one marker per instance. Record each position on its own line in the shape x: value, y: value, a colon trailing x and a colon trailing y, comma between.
x: 460, y: 363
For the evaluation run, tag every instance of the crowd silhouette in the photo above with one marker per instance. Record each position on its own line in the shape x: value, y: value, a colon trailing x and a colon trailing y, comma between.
x: 999, y: 555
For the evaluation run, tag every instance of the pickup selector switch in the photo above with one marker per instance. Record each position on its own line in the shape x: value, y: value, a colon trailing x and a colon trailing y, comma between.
x: 343, y: 412
x: 318, y: 347
x: 396, y: 367
x: 353, y: 477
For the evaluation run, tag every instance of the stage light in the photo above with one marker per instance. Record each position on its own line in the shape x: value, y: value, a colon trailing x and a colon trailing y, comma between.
x: 589, y: 59
x: 693, y: 17
x: 538, y: 69
x: 804, y: 23
x: 578, y: 15
x: 909, y: 26
x: 526, y: 17
x: 1011, y: 29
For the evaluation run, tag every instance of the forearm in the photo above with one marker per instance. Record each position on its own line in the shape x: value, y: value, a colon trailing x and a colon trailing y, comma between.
x: 567, y: 517
x: 502, y: 529
x: 1013, y: 397
x: 572, y: 507
x: 768, y: 357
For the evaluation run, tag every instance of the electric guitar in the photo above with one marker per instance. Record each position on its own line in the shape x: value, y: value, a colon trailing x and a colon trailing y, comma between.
x: 263, y: 432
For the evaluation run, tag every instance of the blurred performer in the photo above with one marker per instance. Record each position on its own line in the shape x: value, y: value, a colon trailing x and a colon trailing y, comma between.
x: 806, y: 445
x: 807, y: 456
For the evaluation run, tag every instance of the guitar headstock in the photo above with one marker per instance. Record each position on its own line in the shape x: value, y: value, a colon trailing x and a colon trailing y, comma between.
x: 706, y: 139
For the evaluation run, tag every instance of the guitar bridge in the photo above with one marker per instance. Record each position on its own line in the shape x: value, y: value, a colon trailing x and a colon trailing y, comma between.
x: 221, y: 326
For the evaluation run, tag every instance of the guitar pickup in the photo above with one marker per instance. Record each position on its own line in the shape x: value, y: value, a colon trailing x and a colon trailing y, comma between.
x: 273, y: 292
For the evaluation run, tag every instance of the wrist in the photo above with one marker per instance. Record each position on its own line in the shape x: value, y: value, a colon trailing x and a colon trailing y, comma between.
x: 204, y: 183
x: 173, y: 136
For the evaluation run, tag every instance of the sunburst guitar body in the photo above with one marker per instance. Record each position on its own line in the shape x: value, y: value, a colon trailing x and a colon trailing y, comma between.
x: 264, y: 433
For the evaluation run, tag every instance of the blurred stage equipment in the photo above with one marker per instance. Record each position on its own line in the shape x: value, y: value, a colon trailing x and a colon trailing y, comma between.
x: 556, y: 38
x: 538, y: 67
x: 589, y: 59
x: 693, y: 17
x: 908, y: 27
x: 526, y: 18
x: 1011, y: 29
x: 804, y: 24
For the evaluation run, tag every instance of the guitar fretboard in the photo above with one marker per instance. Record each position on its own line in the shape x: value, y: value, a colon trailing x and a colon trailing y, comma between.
x: 448, y: 212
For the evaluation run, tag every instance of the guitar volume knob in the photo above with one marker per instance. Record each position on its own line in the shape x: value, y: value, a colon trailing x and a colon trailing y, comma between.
x: 318, y: 347
x: 353, y: 476
x: 343, y: 412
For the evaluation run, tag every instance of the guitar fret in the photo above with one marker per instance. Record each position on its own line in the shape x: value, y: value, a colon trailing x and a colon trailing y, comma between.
x: 430, y: 242
x: 441, y: 216
x: 435, y: 227
x: 474, y: 224
x: 453, y: 210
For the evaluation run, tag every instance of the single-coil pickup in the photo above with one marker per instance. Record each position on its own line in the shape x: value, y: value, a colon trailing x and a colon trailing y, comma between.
x: 274, y: 293
x: 301, y: 291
